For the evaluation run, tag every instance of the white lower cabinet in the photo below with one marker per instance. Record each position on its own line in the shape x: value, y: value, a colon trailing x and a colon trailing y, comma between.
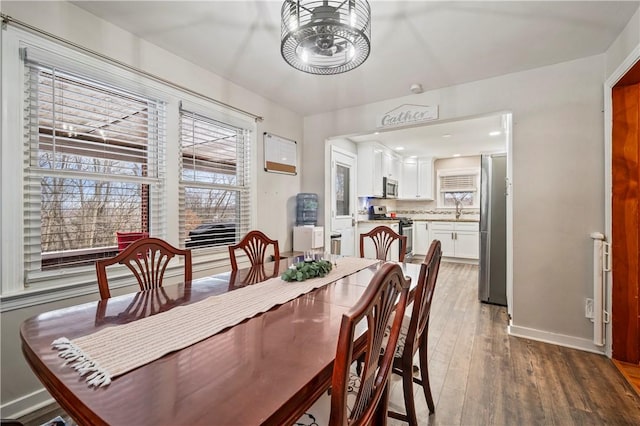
x: 458, y: 239
x: 443, y: 231
x: 467, y: 243
x: 369, y: 248
x: 421, y: 237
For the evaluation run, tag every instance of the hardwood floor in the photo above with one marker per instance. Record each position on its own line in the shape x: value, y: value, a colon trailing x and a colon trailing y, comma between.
x: 481, y: 376
x: 630, y: 372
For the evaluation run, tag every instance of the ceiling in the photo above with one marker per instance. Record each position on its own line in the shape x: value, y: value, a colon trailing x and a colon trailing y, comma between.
x: 440, y: 140
x: 436, y: 44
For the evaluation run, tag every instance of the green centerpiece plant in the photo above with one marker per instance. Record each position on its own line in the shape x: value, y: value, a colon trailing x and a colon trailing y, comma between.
x: 303, y: 270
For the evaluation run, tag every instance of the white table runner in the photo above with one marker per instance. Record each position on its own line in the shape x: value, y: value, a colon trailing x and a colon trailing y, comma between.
x: 113, y: 351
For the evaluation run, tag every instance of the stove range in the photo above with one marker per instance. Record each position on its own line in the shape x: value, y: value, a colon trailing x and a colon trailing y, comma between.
x: 380, y: 213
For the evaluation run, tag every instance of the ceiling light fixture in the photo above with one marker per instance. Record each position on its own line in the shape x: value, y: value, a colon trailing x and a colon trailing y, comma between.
x: 325, y: 36
x: 495, y: 133
x: 446, y: 135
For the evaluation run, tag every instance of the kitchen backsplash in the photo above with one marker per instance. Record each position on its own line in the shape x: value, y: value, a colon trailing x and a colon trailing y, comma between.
x: 413, y: 209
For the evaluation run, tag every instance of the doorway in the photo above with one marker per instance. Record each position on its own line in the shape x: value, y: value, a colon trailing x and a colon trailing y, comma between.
x: 342, y: 199
x: 623, y: 218
x: 469, y: 136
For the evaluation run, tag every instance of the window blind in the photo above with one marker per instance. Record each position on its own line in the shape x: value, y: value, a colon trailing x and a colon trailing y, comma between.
x: 94, y: 165
x: 458, y: 183
x: 215, y: 205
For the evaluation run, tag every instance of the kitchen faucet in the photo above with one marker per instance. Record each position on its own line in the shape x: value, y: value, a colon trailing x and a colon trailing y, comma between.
x: 458, y: 209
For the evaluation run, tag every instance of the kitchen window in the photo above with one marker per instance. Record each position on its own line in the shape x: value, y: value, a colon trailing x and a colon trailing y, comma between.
x: 458, y: 187
x: 93, y: 166
x: 215, y: 181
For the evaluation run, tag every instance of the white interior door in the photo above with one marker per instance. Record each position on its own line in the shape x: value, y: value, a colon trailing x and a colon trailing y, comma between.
x: 343, y: 198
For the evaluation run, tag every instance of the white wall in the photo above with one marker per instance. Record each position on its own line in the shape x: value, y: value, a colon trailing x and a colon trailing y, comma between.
x: 470, y: 162
x: 625, y: 43
x: 557, y: 181
x: 20, y: 389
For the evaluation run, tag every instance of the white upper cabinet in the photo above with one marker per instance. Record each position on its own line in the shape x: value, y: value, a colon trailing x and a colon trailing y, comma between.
x: 425, y: 179
x: 376, y: 161
x: 408, y: 185
x: 417, y: 179
x: 370, y: 169
x: 391, y: 165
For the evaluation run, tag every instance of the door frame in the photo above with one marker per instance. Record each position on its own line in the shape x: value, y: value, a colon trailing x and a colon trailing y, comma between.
x: 613, y: 79
x: 508, y: 125
x: 329, y: 148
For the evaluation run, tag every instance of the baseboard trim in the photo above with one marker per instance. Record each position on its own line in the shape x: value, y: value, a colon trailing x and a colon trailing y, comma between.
x: 460, y: 260
x: 555, y: 339
x: 26, y: 404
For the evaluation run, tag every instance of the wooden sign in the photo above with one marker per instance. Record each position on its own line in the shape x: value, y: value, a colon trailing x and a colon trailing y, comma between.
x: 407, y: 114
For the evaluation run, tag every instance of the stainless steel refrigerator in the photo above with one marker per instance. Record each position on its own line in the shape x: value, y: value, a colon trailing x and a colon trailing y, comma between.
x: 493, y: 230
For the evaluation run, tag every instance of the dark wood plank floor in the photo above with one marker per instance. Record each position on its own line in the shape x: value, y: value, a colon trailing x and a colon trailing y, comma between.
x: 481, y: 376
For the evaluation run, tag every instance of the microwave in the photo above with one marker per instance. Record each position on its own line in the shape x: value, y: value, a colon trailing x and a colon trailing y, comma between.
x: 389, y: 188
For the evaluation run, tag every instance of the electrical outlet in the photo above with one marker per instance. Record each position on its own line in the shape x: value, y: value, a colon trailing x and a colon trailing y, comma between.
x: 588, y: 308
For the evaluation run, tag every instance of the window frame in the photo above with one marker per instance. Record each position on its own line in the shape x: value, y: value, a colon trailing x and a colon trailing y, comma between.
x: 242, y: 188
x: 150, y: 156
x: 13, y: 293
x: 472, y: 171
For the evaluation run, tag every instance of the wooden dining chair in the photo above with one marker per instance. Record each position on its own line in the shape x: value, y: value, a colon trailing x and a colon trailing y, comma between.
x: 255, y: 244
x: 359, y: 398
x: 383, y: 237
x: 375, y: 306
x: 147, y: 258
x: 414, y: 337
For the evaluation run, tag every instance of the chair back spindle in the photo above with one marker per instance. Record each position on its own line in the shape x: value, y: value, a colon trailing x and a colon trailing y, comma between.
x: 147, y: 259
x: 255, y: 245
x: 383, y: 237
x: 386, y: 293
x: 416, y: 327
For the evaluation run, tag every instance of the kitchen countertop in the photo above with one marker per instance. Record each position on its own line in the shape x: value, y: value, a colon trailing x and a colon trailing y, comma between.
x: 444, y: 219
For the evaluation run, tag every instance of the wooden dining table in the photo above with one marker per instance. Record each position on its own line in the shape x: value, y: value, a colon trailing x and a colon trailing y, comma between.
x: 268, y: 369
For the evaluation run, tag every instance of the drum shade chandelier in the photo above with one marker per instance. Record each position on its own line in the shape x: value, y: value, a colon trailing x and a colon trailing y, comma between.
x: 325, y: 36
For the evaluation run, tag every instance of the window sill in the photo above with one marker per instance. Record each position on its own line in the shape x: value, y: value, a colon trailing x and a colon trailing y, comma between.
x: 203, y: 265
x: 41, y: 295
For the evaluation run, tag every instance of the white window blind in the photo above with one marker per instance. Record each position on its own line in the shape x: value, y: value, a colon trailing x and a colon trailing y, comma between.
x: 458, y: 188
x: 94, y: 165
x: 215, y: 205
x: 458, y: 183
